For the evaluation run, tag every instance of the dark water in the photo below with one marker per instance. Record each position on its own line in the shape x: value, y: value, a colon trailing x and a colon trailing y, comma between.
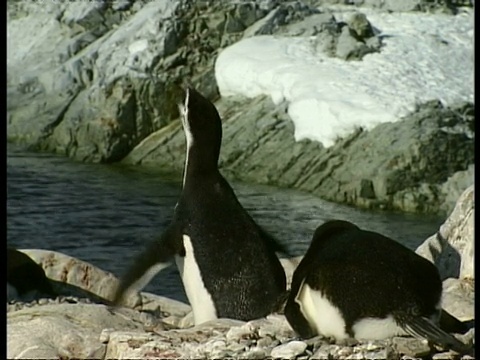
x: 104, y: 213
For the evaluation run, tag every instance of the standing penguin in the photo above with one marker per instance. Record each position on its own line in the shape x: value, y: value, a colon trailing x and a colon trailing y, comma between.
x: 354, y: 283
x: 226, y: 261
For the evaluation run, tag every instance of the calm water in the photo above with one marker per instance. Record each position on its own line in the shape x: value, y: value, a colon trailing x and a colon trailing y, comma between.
x: 103, y: 214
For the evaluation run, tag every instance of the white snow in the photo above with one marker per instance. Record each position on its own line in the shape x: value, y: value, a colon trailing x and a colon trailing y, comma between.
x: 425, y: 57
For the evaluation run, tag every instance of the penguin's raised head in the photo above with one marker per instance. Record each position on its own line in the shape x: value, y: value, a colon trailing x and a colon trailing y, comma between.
x: 200, y: 119
x: 203, y: 131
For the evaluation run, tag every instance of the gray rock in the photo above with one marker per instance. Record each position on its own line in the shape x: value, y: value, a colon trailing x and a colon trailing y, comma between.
x: 405, y: 5
x: 63, y: 330
x: 254, y: 353
x: 345, y: 41
x: 90, y: 73
x: 310, y: 26
x: 395, y: 166
x: 71, y: 276
x: 64, y: 269
x: 411, y: 346
x: 348, y: 47
x: 289, y: 350
x: 459, y: 298
x: 360, y: 25
x: 326, y: 352
x: 89, y: 82
x: 280, y: 17
x: 274, y: 326
x: 452, y: 248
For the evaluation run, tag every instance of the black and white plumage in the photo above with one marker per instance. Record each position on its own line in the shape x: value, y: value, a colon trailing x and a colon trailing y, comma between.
x: 354, y: 283
x: 226, y: 261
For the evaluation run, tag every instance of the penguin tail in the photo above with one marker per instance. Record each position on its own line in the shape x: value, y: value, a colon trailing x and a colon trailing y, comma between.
x: 421, y: 327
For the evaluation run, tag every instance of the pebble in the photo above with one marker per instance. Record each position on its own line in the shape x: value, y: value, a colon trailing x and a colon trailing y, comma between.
x: 289, y: 350
x: 411, y: 346
x: 15, y: 305
x: 444, y: 356
x: 326, y: 352
x: 238, y: 333
x: 254, y: 353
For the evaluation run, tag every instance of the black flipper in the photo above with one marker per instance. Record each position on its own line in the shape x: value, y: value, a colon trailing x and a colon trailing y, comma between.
x: 424, y: 328
x: 155, y: 257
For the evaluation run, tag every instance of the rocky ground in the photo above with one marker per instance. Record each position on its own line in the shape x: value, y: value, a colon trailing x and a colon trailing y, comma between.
x: 80, y: 324
x: 97, y: 81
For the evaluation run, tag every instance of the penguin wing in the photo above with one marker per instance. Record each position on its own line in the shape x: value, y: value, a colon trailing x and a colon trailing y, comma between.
x: 424, y: 328
x: 156, y: 256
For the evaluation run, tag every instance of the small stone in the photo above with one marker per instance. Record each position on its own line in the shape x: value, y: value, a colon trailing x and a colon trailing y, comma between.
x: 237, y: 333
x: 444, y: 356
x: 187, y: 321
x: 236, y: 348
x: 105, y: 335
x: 326, y: 352
x: 254, y: 353
x: 289, y: 350
x: 359, y: 23
x: 411, y: 346
x: 265, y: 342
x: 345, y: 351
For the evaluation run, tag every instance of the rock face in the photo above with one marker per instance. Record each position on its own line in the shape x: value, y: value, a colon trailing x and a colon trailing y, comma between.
x: 87, y: 80
x: 84, y: 80
x: 394, y: 166
x: 452, y: 250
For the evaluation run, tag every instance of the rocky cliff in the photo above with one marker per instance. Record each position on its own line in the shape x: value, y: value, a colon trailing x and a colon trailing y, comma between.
x: 97, y: 81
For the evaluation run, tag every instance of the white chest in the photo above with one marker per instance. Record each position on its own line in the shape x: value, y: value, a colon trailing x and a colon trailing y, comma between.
x: 327, y: 319
x: 198, y: 296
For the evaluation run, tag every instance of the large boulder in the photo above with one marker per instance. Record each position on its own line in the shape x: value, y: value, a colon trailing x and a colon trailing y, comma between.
x: 56, y: 331
x: 452, y: 250
x: 73, y: 277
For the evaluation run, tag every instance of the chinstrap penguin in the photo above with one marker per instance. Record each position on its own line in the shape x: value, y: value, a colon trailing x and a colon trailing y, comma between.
x: 354, y: 283
x: 227, y: 263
